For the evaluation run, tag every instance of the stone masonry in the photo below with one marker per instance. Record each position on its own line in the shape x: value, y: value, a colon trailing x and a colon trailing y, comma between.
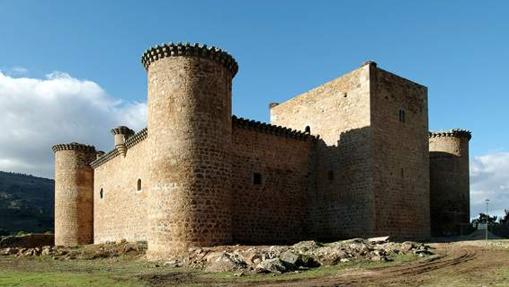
x: 349, y: 158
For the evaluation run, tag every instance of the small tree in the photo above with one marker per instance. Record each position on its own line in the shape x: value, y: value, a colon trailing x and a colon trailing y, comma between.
x: 505, y: 219
x: 484, y: 218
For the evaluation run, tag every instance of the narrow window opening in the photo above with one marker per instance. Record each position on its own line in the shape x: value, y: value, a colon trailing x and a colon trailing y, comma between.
x: 138, y: 185
x: 402, y: 172
x: 330, y: 175
x: 402, y: 115
x: 257, y: 178
x: 101, y: 193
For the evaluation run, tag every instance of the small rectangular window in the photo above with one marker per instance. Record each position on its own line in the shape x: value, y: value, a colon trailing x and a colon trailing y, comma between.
x: 330, y: 175
x: 257, y: 178
x: 402, y: 116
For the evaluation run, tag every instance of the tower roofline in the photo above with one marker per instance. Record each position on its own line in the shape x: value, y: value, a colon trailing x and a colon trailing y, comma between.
x: 459, y: 133
x: 122, y: 130
x: 189, y: 50
x: 73, y: 146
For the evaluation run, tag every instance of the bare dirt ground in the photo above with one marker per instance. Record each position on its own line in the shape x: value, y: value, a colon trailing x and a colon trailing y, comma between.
x: 462, y: 263
x: 408, y: 274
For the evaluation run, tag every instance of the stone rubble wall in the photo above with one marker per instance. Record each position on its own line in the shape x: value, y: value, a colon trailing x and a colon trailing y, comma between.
x: 339, y: 113
x: 122, y: 212
x: 400, y: 151
x: 275, y: 210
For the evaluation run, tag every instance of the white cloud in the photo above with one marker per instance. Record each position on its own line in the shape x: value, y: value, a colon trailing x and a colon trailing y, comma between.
x: 14, y: 71
x: 38, y: 113
x: 489, y: 179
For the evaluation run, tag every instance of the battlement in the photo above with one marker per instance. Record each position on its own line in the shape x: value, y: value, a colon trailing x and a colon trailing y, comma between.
x: 129, y: 143
x: 137, y: 138
x: 189, y: 50
x: 104, y: 158
x: 236, y: 121
x: 73, y: 146
x: 459, y: 133
x: 122, y: 130
x: 270, y: 129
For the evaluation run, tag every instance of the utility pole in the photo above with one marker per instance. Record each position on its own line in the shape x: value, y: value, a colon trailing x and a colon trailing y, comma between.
x: 487, y: 219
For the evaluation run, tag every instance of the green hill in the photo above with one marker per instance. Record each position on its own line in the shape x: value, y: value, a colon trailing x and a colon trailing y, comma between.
x: 26, y: 203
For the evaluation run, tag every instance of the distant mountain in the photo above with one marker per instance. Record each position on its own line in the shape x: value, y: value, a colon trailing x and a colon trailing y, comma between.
x: 26, y: 203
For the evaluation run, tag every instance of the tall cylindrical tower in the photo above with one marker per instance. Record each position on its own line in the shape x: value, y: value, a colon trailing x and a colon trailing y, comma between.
x: 449, y: 182
x: 189, y: 127
x: 74, y: 189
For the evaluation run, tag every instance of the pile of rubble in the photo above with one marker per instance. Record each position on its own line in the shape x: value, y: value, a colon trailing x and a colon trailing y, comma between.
x: 245, y: 259
x: 106, y: 250
x: 300, y: 256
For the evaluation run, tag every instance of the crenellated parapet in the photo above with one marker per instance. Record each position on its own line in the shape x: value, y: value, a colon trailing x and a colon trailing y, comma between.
x: 137, y: 138
x: 129, y: 143
x: 73, y: 146
x: 459, y: 133
x: 269, y: 129
x: 122, y: 130
x: 105, y: 158
x: 189, y: 50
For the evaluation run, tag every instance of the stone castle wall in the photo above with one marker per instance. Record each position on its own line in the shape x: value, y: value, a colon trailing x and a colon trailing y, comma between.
x: 274, y: 209
x: 121, y: 212
x: 366, y: 152
x: 339, y: 113
x: 450, y: 184
x: 399, y: 124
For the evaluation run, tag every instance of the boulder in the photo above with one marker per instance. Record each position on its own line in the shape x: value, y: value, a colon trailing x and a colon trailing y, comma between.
x: 378, y: 240
x: 223, y: 261
x: 290, y: 258
x: 308, y: 262
x: 274, y: 265
x: 8, y: 251
x: 46, y: 250
x: 305, y: 246
x: 408, y: 246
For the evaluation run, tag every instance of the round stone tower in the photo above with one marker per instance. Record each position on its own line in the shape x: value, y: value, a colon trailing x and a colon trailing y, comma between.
x: 189, y: 127
x: 74, y: 190
x: 449, y: 182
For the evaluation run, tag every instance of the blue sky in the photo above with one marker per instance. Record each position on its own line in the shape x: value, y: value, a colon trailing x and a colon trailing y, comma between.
x: 459, y: 49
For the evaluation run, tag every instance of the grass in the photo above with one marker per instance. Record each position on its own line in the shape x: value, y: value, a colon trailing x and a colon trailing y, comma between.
x: 44, y: 271
x: 323, y: 271
x: 57, y: 279
x: 123, y: 271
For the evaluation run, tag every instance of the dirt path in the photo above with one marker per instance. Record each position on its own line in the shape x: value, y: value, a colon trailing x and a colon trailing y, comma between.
x: 449, y: 259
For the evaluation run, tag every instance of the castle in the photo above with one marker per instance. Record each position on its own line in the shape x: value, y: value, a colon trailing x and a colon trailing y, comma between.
x: 350, y: 158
